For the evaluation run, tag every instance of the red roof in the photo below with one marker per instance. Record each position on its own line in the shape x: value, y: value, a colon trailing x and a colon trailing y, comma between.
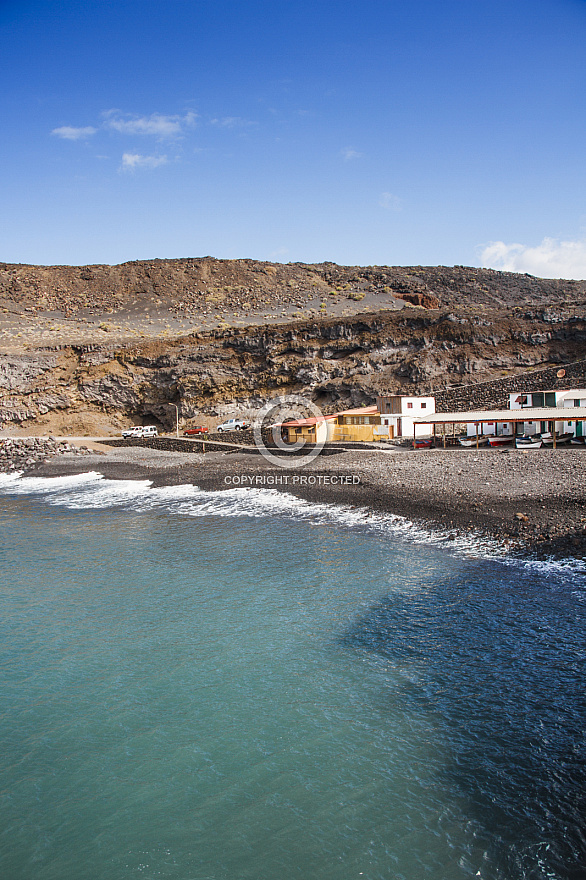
x: 298, y: 423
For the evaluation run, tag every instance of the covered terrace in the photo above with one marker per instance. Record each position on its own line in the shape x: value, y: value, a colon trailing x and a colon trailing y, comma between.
x: 494, y: 417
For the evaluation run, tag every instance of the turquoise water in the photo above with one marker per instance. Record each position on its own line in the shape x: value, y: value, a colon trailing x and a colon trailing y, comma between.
x: 242, y: 685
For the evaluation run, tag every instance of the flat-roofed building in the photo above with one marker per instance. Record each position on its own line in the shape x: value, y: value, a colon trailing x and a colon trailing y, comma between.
x: 398, y: 413
x: 359, y: 424
x: 572, y: 398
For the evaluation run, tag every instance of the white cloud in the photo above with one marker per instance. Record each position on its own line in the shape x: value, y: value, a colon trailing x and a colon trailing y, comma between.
x: 390, y: 202
x: 550, y: 259
x: 231, y: 122
x: 155, y: 125
x: 348, y: 153
x: 132, y: 161
x: 70, y: 133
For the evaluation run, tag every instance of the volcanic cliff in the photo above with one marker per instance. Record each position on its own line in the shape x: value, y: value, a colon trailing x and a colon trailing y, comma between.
x: 84, y: 348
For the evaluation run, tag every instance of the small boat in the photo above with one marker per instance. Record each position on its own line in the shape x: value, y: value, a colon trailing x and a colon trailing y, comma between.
x: 560, y: 439
x: 500, y: 440
x: 528, y: 441
x: 578, y: 441
x: 471, y: 441
x: 423, y: 443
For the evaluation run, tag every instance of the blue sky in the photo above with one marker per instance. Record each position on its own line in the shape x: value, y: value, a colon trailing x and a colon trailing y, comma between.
x: 375, y: 132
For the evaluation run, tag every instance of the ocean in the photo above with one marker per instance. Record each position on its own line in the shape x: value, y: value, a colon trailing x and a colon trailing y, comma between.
x: 242, y: 685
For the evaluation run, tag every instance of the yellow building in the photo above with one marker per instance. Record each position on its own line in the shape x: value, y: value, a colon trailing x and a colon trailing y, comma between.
x: 361, y: 424
x: 312, y: 430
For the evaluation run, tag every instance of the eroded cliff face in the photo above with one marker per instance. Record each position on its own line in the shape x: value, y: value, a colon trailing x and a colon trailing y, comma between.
x: 337, y: 362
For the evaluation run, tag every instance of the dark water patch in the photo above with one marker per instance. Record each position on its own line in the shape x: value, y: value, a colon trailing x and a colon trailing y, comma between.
x: 500, y: 665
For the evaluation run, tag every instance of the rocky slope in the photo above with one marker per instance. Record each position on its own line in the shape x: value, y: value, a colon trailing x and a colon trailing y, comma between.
x: 164, y: 298
x: 337, y: 361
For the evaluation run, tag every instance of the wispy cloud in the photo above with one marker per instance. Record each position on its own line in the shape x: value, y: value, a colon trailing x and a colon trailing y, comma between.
x: 279, y: 252
x: 156, y: 125
x: 231, y: 122
x: 390, y: 202
x: 348, y: 154
x: 132, y: 161
x: 70, y: 133
x: 550, y: 259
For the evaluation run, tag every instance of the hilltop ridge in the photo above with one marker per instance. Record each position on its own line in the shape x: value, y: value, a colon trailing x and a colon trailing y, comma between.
x: 147, y: 297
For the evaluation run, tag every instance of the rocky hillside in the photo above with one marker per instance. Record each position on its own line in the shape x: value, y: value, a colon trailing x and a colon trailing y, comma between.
x: 206, y: 285
x: 464, y: 326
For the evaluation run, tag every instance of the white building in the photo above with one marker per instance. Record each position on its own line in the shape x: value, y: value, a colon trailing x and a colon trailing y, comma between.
x: 486, y: 429
x: 397, y: 412
x: 569, y: 399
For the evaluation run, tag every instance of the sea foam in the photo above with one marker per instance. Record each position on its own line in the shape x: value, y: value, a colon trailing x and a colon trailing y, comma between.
x: 93, y: 491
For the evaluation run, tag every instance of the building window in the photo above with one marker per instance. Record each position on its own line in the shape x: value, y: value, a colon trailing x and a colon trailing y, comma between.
x: 537, y: 399
x: 423, y: 406
x: 409, y: 406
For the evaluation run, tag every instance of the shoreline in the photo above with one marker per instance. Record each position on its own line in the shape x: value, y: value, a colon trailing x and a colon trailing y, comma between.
x: 532, y: 503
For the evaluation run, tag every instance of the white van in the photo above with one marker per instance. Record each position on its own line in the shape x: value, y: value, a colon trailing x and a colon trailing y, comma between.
x: 141, y: 431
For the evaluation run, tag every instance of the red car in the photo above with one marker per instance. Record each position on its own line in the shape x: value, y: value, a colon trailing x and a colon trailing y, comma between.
x: 196, y: 429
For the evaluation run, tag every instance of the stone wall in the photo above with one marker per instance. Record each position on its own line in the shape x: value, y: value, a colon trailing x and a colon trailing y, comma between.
x: 495, y: 394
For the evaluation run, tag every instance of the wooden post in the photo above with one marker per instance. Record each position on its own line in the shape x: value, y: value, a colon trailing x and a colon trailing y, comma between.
x: 444, y: 433
x: 554, y: 437
x: 476, y: 426
x: 413, y: 435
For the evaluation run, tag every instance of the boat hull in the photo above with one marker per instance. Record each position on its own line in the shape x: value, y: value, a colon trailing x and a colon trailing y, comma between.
x: 471, y: 441
x: 560, y: 440
x: 528, y: 443
x: 500, y: 441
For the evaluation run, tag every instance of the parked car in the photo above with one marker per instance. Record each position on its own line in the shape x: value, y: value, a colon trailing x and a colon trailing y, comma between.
x: 233, y: 425
x: 195, y: 429
x: 141, y: 431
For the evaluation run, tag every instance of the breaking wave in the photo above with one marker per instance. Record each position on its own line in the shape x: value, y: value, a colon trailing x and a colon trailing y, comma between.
x: 93, y: 491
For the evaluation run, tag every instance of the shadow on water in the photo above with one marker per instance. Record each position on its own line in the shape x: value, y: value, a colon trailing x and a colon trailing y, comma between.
x: 500, y: 665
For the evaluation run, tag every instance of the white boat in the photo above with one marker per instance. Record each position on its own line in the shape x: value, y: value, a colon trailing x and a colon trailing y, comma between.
x: 529, y: 441
x: 560, y: 439
x: 471, y: 441
x: 578, y: 441
x: 500, y: 440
